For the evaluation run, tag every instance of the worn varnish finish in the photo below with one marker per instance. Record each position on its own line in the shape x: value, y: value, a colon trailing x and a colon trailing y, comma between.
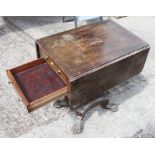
x: 81, y: 64
x: 91, y: 86
x: 86, y: 48
x: 94, y: 58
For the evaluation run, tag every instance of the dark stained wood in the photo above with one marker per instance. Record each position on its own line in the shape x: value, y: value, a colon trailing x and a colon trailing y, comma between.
x: 93, y: 85
x: 80, y: 64
x: 81, y: 50
x: 94, y: 58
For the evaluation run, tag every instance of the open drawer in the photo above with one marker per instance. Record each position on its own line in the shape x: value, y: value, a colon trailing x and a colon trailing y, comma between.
x: 37, y: 83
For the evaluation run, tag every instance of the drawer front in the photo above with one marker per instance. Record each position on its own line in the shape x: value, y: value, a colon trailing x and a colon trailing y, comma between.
x: 37, y: 83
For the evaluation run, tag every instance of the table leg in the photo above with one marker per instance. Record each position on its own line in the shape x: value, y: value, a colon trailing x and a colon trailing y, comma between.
x: 82, y: 111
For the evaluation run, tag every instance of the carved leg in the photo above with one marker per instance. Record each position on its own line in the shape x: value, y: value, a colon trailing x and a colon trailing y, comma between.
x: 82, y: 111
x: 86, y: 108
x: 61, y: 103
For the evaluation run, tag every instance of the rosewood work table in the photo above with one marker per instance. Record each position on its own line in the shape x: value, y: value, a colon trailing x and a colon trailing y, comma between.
x: 80, y: 64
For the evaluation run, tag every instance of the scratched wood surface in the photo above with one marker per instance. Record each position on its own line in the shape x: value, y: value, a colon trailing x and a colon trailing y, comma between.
x: 94, y: 58
x: 92, y: 86
x: 81, y: 50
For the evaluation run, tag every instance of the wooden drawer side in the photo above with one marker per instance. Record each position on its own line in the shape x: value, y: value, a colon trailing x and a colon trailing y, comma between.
x: 35, y: 88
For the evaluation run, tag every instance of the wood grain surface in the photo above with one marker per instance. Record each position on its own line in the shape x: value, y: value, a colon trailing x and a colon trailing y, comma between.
x: 94, y: 58
x: 79, y: 51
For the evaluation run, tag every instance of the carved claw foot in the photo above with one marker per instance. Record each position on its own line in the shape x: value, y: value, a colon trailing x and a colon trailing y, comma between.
x: 113, y: 107
x: 80, y: 113
x: 110, y: 106
x: 77, y: 127
x: 61, y: 103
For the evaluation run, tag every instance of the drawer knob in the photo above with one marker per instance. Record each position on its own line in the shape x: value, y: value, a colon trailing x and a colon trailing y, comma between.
x: 58, y: 71
x: 52, y: 63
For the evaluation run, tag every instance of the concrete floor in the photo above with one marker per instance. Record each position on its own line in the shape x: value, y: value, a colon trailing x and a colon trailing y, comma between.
x: 135, y: 97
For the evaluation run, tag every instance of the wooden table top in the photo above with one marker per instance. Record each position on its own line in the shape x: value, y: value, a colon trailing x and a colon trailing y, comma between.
x: 83, y: 50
